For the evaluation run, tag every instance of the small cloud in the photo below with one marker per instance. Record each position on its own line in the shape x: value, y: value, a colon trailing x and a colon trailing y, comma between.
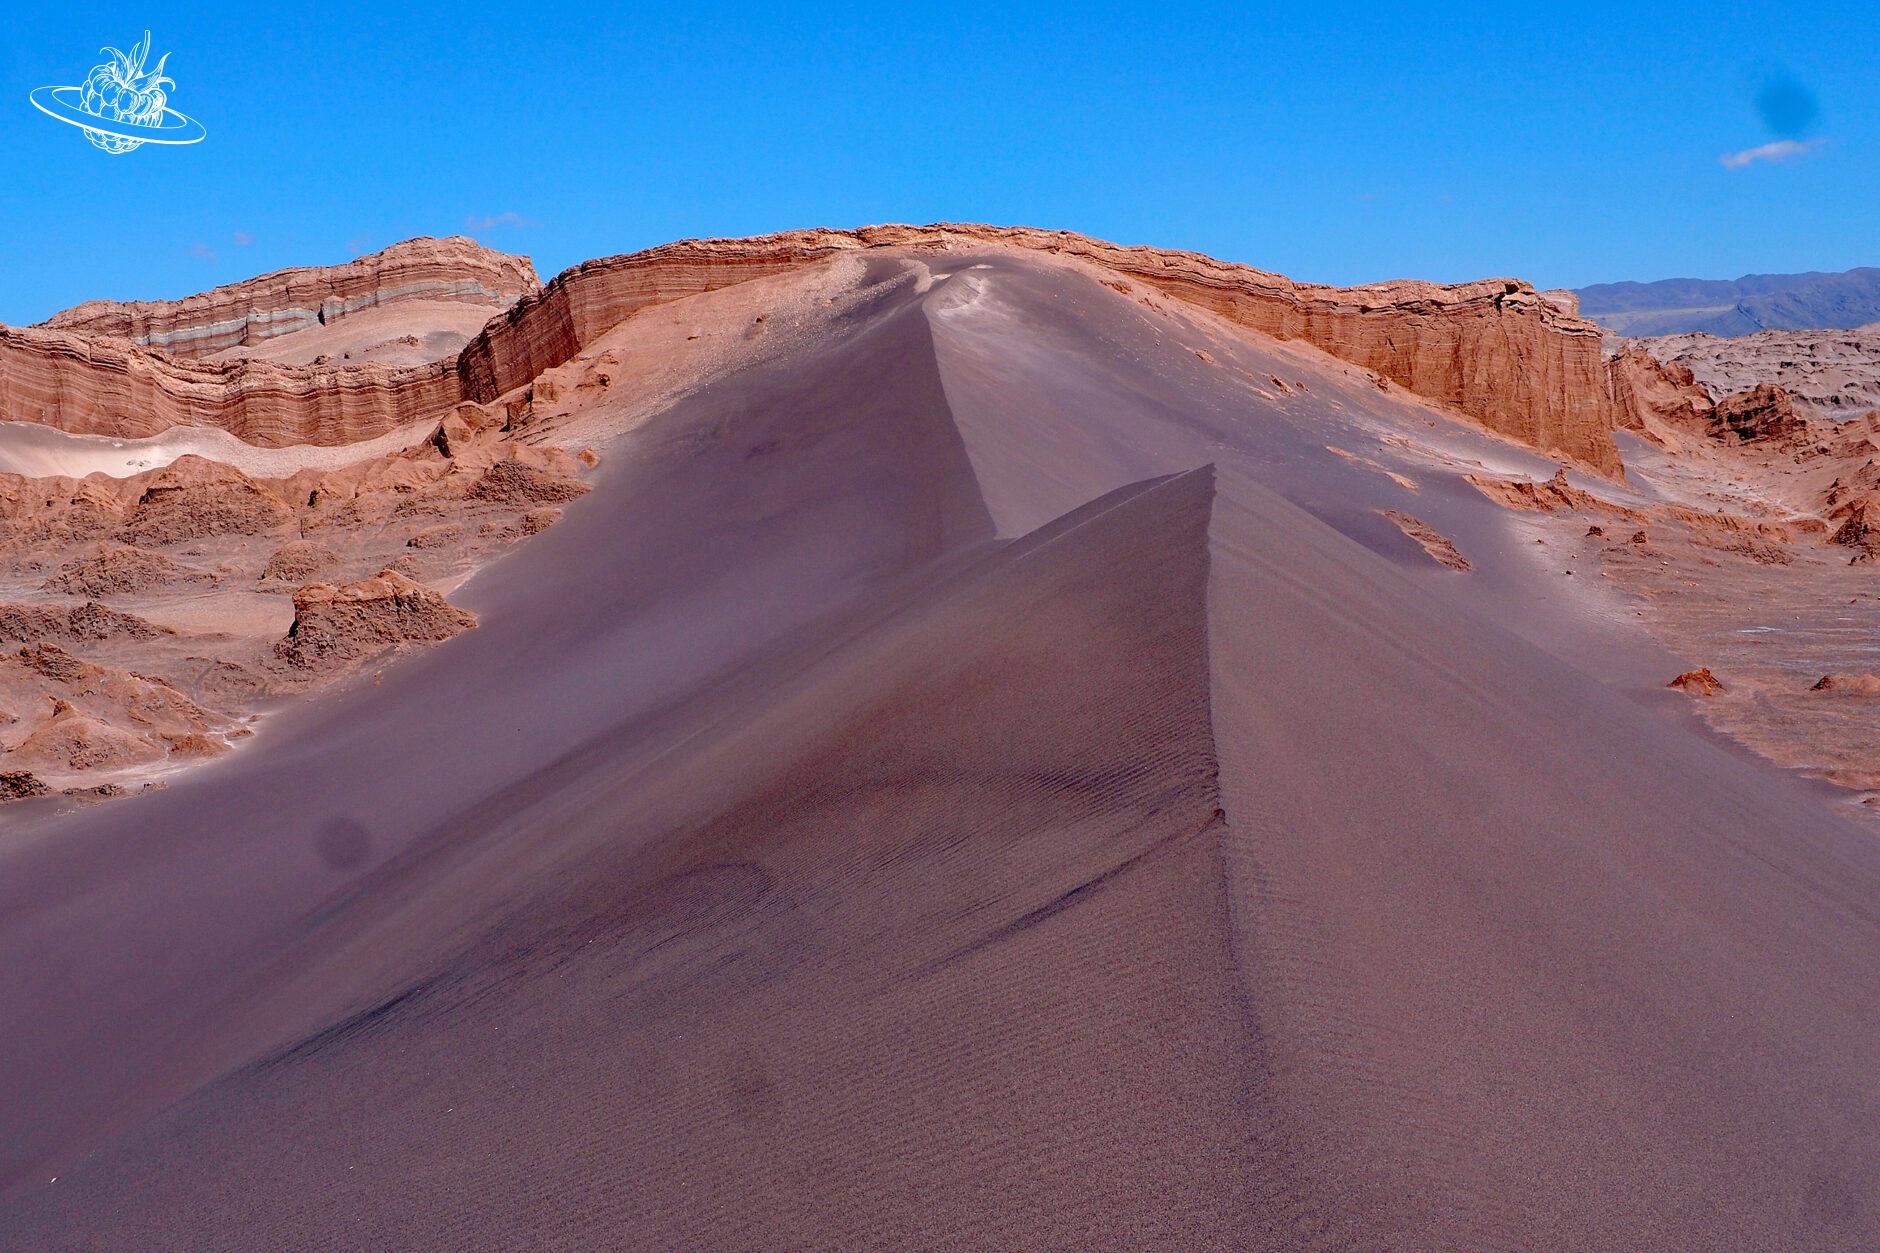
x: 475, y: 223
x: 359, y: 245
x: 202, y: 252
x: 1780, y: 150
x: 243, y: 239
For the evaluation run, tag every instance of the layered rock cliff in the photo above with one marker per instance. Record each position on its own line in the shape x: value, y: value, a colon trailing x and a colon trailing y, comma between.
x: 100, y: 386
x: 1494, y: 350
x: 286, y: 301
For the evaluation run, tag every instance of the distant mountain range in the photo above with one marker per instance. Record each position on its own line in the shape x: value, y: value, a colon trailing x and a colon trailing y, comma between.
x: 1742, y: 306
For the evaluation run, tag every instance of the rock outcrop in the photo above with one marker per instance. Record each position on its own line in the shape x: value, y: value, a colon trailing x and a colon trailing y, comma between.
x: 1848, y: 684
x: 1555, y: 495
x: 194, y: 498
x: 121, y: 570
x: 89, y: 621
x: 102, y: 386
x: 1764, y: 412
x: 1646, y: 390
x: 286, y: 301
x: 100, y: 717
x: 19, y: 785
x: 335, y: 627
x: 1440, y: 548
x: 1494, y: 350
x: 1699, y: 682
x: 1831, y: 373
x: 299, y: 562
x: 514, y: 483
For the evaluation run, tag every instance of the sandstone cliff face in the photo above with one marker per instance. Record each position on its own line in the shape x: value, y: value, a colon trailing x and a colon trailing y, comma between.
x: 292, y: 300
x: 93, y: 386
x: 1645, y: 389
x: 1494, y: 350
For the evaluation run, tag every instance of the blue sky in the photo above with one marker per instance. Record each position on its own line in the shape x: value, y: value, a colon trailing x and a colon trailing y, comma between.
x: 1340, y: 143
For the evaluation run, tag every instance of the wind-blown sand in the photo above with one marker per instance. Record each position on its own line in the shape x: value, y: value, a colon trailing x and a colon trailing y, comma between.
x: 979, y: 771
x: 36, y: 451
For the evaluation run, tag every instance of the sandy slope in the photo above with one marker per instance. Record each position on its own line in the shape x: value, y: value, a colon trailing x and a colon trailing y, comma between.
x: 987, y: 776
x: 410, y: 332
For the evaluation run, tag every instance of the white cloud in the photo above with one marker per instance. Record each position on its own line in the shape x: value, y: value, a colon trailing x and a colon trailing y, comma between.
x: 511, y: 218
x: 243, y: 239
x: 1780, y: 150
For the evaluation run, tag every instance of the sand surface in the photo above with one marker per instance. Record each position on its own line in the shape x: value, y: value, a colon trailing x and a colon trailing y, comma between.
x: 978, y: 771
x: 36, y: 451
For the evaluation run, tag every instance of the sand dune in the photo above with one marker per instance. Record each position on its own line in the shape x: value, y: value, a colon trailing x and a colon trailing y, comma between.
x: 983, y: 772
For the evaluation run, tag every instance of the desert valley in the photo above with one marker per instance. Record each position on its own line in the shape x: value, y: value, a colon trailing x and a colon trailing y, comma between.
x: 933, y: 736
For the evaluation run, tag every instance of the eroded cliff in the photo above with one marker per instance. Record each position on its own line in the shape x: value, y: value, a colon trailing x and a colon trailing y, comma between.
x: 1494, y: 350
x: 287, y: 301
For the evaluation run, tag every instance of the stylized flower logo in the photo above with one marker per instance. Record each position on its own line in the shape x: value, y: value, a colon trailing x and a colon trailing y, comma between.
x: 122, y: 106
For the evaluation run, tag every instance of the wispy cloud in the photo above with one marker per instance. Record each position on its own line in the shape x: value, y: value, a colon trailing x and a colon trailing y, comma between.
x: 1780, y: 150
x: 510, y: 218
x: 243, y: 239
x: 202, y: 252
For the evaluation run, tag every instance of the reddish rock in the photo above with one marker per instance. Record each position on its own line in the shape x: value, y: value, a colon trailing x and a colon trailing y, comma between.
x: 1858, y: 528
x: 71, y: 740
x: 1555, y: 495
x: 89, y: 621
x: 114, y: 569
x: 513, y: 483
x: 1646, y: 391
x: 338, y: 626
x: 1434, y: 542
x: 17, y: 785
x: 258, y: 309
x: 1765, y: 412
x: 1700, y: 682
x: 1492, y: 349
x: 195, y: 498
x: 299, y: 562
x: 1849, y: 684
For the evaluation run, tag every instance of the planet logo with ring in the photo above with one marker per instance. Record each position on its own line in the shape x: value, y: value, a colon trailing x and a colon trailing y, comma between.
x: 121, y: 106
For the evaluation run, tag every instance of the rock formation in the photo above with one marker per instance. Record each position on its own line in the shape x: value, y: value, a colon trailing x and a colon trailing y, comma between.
x: 194, y: 498
x: 16, y: 785
x: 89, y: 621
x: 1646, y: 390
x: 1764, y: 412
x: 1848, y: 684
x: 1699, y: 682
x: 299, y: 562
x: 286, y: 301
x: 337, y: 626
x: 1832, y: 373
x: 119, y: 570
x: 1439, y: 546
x: 1554, y: 495
x: 1494, y: 350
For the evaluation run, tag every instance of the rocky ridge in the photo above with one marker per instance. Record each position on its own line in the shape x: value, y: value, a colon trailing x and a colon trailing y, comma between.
x: 258, y: 309
x: 1494, y: 350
